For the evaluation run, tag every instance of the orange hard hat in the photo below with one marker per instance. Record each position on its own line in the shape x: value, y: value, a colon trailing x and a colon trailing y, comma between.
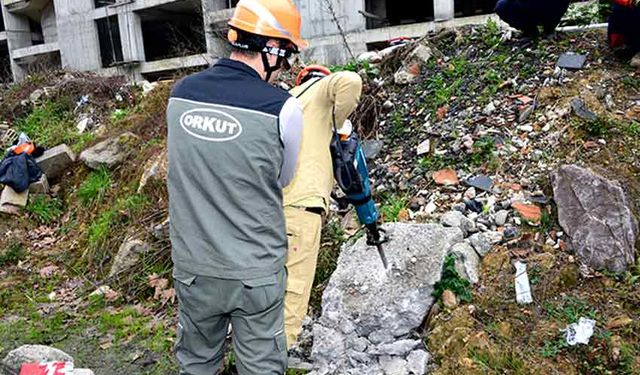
x: 269, y: 18
x: 312, y: 71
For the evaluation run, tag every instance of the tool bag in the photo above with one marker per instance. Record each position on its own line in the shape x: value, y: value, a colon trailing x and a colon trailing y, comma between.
x: 343, y: 156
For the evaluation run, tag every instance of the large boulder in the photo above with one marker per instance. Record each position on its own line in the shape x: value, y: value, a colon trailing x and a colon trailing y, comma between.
x: 12, y: 363
x: 111, y: 152
x: 596, y: 213
x: 368, y: 313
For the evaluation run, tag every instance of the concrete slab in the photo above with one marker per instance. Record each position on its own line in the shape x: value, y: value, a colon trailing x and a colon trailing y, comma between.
x: 12, y: 202
x: 56, y: 161
x: 41, y: 186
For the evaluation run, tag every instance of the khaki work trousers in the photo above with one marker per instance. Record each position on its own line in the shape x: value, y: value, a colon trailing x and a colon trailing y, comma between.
x: 303, y: 232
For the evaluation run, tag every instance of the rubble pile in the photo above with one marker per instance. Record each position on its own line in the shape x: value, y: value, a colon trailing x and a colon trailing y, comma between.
x: 466, y: 128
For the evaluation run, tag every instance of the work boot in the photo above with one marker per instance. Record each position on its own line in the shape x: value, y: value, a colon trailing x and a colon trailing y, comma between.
x: 635, y: 61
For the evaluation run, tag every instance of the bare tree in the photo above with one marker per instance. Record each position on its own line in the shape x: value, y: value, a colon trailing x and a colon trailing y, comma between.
x: 334, y: 17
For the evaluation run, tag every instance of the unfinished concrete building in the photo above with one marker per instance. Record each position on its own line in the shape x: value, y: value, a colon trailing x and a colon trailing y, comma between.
x: 152, y: 39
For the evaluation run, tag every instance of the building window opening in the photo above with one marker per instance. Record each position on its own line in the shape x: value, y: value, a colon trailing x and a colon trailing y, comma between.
x: 5, y: 64
x: 173, y: 30
x: 1, y: 23
x: 383, y: 13
x: 36, y: 32
x: 37, y: 64
x: 232, y: 3
x: 468, y: 8
x: 110, y: 42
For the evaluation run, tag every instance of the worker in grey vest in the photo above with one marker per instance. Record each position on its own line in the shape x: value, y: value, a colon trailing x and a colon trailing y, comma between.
x: 233, y: 143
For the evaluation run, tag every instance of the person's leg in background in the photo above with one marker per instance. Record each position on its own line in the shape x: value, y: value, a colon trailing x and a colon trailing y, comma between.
x: 303, y: 231
x: 551, y: 12
x: 518, y: 14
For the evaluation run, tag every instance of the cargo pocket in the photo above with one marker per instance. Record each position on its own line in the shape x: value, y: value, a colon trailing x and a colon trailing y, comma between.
x: 260, y: 293
x: 295, y: 292
x: 281, y: 348
x: 185, y: 278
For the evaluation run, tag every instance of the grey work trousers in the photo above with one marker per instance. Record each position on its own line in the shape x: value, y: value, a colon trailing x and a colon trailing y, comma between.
x: 255, y: 309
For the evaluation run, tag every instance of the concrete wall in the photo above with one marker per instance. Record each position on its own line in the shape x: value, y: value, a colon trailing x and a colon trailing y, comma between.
x: 18, y: 35
x: 214, y: 11
x: 49, y: 25
x: 79, y: 46
x: 318, y: 19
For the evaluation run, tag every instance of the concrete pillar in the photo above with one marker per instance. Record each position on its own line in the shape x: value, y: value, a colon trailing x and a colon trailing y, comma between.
x: 78, y: 36
x: 443, y: 10
x: 131, y: 36
x: 48, y: 22
x: 216, y: 47
x: 18, y: 36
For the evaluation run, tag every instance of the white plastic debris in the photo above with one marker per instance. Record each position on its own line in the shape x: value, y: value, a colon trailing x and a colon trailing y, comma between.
x: 523, y: 288
x: 581, y: 332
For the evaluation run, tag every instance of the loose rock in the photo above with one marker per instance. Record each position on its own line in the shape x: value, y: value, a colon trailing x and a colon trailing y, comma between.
x: 32, y: 354
x: 597, y: 215
x: 109, y: 153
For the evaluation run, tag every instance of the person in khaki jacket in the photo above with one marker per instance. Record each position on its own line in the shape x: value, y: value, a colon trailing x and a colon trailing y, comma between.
x: 322, y: 96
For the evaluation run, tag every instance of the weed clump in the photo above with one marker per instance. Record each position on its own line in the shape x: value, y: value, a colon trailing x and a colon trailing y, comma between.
x: 452, y: 281
x: 45, y: 209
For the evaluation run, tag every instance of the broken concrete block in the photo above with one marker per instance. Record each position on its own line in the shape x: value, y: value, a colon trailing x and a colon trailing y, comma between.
x: 41, y: 186
x: 11, y: 202
x: 155, y: 169
x: 111, y: 152
x: 56, y: 161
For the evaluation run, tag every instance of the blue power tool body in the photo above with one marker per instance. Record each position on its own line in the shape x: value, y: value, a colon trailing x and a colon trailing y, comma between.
x: 352, y: 175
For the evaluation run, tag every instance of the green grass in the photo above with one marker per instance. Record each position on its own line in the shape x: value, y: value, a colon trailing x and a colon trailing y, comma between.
x: 452, y: 281
x: 631, y: 82
x: 552, y: 348
x: 12, y: 254
x: 499, y: 362
x: 392, y: 207
x: 44, y: 208
x: 432, y: 163
x: 569, y: 310
x: 491, y: 33
x: 596, y: 128
x: 119, y: 115
x: 633, y: 129
x: 483, y: 150
x: 51, y: 124
x: 134, y: 204
x: 94, y: 188
x: 100, y: 229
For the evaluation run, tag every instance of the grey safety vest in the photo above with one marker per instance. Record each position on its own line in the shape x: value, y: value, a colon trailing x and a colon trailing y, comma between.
x: 225, y: 155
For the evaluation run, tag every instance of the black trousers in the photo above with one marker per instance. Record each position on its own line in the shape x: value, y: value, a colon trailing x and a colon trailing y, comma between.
x: 527, y: 15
